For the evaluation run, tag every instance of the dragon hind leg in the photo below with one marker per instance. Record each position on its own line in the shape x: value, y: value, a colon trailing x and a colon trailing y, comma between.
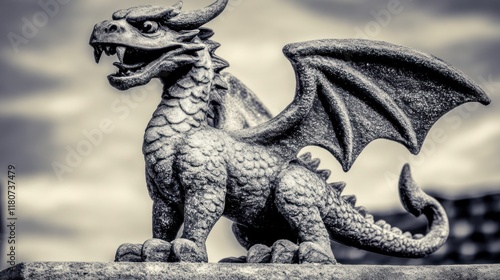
x: 299, y: 197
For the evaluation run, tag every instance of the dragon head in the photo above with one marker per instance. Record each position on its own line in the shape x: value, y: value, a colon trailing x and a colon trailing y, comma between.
x: 155, y: 42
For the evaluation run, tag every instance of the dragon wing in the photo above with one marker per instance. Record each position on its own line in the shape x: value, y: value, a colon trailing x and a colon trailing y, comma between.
x: 351, y: 92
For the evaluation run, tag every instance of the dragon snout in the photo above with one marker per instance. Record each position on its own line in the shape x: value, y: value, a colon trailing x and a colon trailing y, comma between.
x: 109, y: 31
x: 109, y: 27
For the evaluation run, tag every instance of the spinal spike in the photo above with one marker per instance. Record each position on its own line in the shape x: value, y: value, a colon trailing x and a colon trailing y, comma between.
x: 338, y: 187
x: 313, y: 164
x: 351, y: 199
x: 325, y: 174
x: 362, y: 210
x: 407, y: 235
x: 369, y: 218
x: 306, y: 157
x: 381, y: 223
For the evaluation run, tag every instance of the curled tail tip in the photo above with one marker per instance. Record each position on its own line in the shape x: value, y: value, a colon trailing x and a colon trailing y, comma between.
x: 412, y: 197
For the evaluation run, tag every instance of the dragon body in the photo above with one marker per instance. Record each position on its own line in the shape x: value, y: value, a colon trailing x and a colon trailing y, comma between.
x: 213, y: 150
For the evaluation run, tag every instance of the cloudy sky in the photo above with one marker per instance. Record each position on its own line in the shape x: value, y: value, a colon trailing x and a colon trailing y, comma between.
x: 52, y: 94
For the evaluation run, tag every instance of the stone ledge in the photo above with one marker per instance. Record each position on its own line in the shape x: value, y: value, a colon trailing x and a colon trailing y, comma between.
x: 73, y: 270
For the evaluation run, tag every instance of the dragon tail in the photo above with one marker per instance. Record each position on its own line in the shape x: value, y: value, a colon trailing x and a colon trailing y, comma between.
x: 352, y: 225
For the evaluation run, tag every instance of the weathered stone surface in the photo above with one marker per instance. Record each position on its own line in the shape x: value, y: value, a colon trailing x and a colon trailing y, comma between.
x: 57, y: 271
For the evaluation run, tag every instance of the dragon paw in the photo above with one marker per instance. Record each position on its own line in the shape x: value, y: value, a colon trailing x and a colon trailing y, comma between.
x: 157, y: 250
x: 286, y: 252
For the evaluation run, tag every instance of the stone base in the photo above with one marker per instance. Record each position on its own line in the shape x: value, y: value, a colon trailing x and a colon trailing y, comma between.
x: 190, y: 271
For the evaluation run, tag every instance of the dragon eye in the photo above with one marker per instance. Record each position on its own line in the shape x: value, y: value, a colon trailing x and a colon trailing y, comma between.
x: 149, y: 27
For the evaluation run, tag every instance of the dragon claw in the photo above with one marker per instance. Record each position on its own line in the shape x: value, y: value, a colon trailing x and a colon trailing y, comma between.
x: 184, y: 250
x: 156, y: 250
x: 310, y: 252
x: 284, y: 251
x: 259, y: 253
x: 128, y: 253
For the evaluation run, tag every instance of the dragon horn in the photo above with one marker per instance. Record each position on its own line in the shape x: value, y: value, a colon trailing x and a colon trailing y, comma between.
x: 195, y: 19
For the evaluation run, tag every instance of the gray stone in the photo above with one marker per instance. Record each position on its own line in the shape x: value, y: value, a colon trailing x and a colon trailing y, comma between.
x: 209, y: 271
x: 212, y: 149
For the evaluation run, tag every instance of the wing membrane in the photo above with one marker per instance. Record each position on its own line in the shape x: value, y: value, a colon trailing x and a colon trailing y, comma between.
x: 351, y: 92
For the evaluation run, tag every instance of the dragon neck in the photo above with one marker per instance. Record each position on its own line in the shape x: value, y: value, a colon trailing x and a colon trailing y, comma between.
x: 184, y: 104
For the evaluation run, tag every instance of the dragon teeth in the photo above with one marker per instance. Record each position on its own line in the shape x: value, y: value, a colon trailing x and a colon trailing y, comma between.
x: 120, y: 52
x: 109, y: 50
x: 97, y: 53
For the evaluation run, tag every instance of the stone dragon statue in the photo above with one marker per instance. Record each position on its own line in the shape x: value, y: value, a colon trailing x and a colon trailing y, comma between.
x: 212, y: 149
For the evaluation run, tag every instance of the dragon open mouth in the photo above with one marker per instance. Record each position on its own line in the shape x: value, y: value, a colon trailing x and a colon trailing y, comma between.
x: 131, y: 60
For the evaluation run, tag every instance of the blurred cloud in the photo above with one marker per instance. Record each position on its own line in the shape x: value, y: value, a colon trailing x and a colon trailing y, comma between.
x: 25, y: 143
x: 481, y: 53
x: 16, y: 82
x: 360, y: 8
x: 461, y: 7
